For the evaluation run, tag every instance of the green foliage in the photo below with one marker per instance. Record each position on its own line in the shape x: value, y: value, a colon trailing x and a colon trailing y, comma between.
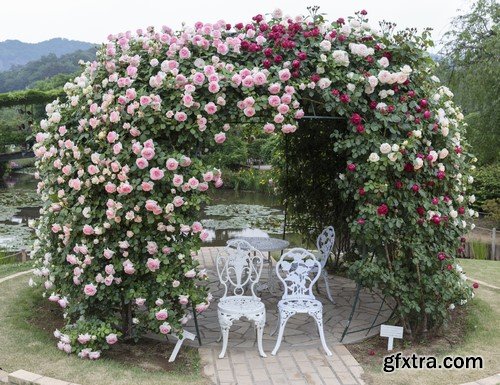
x: 29, y: 97
x: 21, y: 77
x: 487, y: 184
x: 248, y: 179
x: 232, y: 155
x: 480, y: 250
x: 471, y: 67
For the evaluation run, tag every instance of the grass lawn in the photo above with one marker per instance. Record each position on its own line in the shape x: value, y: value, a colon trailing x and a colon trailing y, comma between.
x: 483, y: 270
x: 26, y: 343
x: 472, y: 333
x: 12, y: 268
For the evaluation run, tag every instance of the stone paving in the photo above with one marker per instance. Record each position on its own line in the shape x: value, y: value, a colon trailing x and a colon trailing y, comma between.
x: 300, y: 359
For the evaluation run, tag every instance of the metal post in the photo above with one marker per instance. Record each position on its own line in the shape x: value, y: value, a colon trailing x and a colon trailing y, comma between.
x: 195, y: 317
x: 493, y: 243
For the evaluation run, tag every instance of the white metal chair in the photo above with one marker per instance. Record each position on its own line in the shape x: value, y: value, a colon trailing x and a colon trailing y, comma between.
x: 239, y: 267
x: 324, y: 243
x: 298, y: 270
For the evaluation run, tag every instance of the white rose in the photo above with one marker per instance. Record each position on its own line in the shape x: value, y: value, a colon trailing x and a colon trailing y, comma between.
x: 373, y: 157
x: 417, y: 134
x: 325, y: 45
x: 418, y: 163
x: 395, y: 148
x: 470, y: 179
x: 373, y: 81
x: 460, y: 198
x: 393, y: 156
x: 472, y: 199
x: 443, y: 153
x: 445, y: 131
x: 384, y: 62
x: 453, y: 214
x: 385, y: 148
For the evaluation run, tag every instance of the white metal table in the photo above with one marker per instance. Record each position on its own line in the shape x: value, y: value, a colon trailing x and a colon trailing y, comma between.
x: 268, y: 245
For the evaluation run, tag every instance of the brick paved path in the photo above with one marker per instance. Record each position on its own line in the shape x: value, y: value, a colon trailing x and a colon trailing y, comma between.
x: 300, y: 359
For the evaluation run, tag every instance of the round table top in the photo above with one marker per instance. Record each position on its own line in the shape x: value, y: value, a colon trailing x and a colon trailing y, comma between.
x: 266, y: 244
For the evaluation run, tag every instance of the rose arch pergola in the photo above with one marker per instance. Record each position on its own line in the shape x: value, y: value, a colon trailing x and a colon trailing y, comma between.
x: 122, y: 176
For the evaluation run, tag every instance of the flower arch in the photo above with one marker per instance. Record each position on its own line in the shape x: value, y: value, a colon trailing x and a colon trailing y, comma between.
x: 122, y: 177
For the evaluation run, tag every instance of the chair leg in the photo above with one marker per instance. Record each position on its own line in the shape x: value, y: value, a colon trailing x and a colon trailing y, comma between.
x: 283, y: 320
x: 225, y: 336
x: 318, y: 316
x: 260, y: 331
x: 277, y: 325
x: 328, y: 293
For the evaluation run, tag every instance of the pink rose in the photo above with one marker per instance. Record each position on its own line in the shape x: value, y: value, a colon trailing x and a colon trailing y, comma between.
x: 145, y: 100
x: 84, y: 338
x: 183, y: 299
x: 196, y: 227
x: 142, y: 163
x: 201, y: 307
x: 140, y: 301
x: 203, y: 186
x: 274, y: 100
x: 108, y: 254
x: 88, y: 230
x: 110, y: 188
x: 283, y: 108
x: 193, y: 182
x: 156, y: 173
x: 284, y: 74
x: 208, y: 176
x: 153, y: 264
x: 148, y: 153
x: 210, y: 108
x: 165, y: 328
x: 90, y: 290
x: 172, y: 164
x: 180, y: 116
x: 130, y: 93
x: 178, y: 201
x: 114, y: 117
x: 124, y: 188
x: 274, y: 88
x: 204, y: 235
x: 220, y: 138
x: 147, y: 186
x: 56, y: 228
x: 185, y: 161
x: 190, y: 274
x: 198, y: 78
x: 269, y: 128
x: 177, y: 179
x: 111, y: 339
x: 161, y: 315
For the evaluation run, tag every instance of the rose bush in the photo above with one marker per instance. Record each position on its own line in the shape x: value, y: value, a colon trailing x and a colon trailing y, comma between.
x: 122, y: 176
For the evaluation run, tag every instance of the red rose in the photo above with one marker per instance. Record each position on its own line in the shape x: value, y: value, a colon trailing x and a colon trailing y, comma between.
x: 461, y: 210
x: 361, y: 191
x: 449, y: 267
x: 383, y: 209
x: 363, y: 12
x: 361, y: 221
x: 409, y: 167
x: 415, y: 187
x: 440, y: 175
x: 436, y: 219
x: 421, y: 211
x: 475, y: 285
x: 398, y: 184
x: 441, y: 256
x: 344, y: 98
x: 360, y: 128
x: 356, y: 118
x: 351, y: 167
x: 423, y: 103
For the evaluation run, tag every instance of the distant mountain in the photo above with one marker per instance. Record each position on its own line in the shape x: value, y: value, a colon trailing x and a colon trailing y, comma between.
x: 15, y: 52
x: 25, y: 76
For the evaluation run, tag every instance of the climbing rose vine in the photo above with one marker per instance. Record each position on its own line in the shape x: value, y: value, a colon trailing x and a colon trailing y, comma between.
x: 121, y: 170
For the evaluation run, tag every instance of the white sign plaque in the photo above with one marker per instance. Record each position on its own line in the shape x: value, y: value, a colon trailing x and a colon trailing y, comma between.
x: 185, y: 334
x: 391, y: 332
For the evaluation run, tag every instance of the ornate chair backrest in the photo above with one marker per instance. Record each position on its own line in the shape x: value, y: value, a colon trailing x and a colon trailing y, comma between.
x: 324, y: 243
x: 298, y: 270
x: 239, y: 265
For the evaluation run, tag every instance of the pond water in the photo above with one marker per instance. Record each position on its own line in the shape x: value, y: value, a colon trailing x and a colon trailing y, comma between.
x: 231, y: 214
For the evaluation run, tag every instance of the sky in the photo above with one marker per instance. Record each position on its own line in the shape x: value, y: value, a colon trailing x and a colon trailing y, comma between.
x: 93, y: 20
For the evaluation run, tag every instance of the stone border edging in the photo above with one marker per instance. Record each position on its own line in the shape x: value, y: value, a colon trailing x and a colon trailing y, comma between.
x: 15, y: 275
x: 492, y: 380
x: 482, y: 283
